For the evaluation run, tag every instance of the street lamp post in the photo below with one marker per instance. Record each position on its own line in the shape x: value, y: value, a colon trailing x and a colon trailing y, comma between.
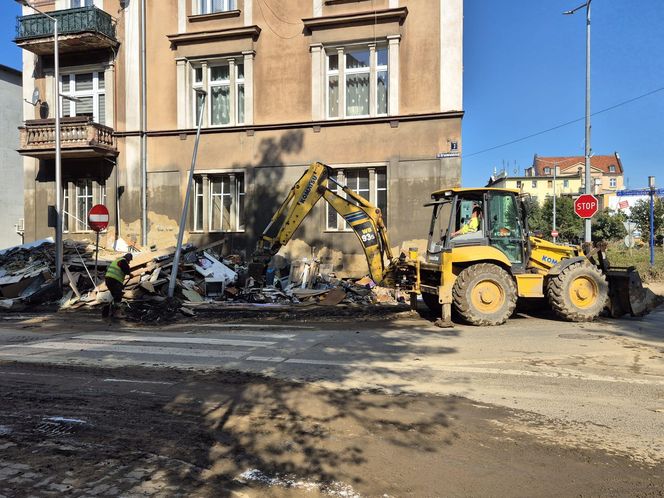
x: 58, y: 151
x: 651, y: 186
x: 588, y: 179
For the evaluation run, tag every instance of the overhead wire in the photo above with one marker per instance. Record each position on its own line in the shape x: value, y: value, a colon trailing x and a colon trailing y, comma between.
x: 267, y: 23
x: 562, y: 125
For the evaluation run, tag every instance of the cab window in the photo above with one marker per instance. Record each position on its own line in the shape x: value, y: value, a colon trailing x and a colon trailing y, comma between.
x: 504, y: 227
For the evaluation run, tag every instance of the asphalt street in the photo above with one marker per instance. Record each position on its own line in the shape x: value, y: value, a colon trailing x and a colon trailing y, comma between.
x: 597, y: 386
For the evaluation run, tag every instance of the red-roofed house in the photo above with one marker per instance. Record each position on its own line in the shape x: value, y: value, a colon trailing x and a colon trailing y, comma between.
x: 607, y: 171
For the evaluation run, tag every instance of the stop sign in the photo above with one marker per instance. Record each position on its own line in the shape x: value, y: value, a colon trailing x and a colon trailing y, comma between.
x: 586, y: 206
x: 98, y: 218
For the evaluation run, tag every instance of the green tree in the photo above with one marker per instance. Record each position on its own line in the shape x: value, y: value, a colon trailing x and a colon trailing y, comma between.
x: 568, y: 224
x: 536, y: 223
x: 640, y: 214
x: 608, y: 226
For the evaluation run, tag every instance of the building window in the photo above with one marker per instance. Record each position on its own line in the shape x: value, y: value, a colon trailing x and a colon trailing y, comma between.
x: 370, y: 183
x: 81, y: 3
x: 225, y: 199
x: 88, y: 95
x: 364, y: 94
x: 518, y: 184
x: 547, y: 171
x: 549, y: 184
x: 84, y: 202
x: 612, y: 183
x: 212, y: 6
x: 225, y: 87
x: 533, y: 184
x: 612, y: 168
x: 65, y: 208
x: 565, y: 183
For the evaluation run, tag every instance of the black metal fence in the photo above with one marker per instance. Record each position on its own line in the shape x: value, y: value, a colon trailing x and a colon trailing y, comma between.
x: 70, y: 21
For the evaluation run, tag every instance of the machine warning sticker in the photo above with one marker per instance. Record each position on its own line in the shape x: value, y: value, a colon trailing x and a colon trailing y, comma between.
x: 367, y: 234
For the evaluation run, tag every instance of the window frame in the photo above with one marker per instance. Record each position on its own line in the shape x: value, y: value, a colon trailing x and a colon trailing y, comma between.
x: 95, y: 93
x: 81, y: 218
x: 372, y: 189
x: 613, y: 183
x: 84, y: 3
x: 233, y: 83
x: 227, y: 6
x: 201, y: 195
x: 373, y: 71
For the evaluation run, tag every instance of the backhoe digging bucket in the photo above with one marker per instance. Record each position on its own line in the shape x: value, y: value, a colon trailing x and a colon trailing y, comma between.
x: 626, y: 292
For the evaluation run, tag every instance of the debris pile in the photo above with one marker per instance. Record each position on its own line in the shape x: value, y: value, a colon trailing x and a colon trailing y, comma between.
x: 204, y: 278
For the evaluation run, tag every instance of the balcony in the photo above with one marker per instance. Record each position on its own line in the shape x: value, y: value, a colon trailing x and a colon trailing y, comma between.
x: 80, y: 138
x: 79, y: 30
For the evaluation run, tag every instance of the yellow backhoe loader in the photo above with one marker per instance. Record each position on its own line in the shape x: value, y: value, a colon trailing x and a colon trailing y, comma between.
x: 480, y: 258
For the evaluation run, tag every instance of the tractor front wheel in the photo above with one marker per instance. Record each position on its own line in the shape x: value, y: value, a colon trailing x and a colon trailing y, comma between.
x: 484, y: 294
x: 578, y: 293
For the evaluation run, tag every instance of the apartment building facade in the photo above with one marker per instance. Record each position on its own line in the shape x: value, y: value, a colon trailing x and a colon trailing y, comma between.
x: 371, y: 87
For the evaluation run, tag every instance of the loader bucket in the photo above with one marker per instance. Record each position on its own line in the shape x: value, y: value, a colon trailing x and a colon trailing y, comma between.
x: 626, y: 292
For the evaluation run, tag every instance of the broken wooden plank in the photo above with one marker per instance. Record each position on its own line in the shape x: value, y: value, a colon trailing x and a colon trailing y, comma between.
x: 72, y: 282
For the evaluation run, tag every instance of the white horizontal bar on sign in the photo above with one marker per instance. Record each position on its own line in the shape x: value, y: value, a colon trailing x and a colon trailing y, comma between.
x: 174, y: 340
x: 98, y: 217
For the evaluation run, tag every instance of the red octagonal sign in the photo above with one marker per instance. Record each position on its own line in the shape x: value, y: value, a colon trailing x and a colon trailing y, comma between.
x: 586, y: 206
x: 98, y: 218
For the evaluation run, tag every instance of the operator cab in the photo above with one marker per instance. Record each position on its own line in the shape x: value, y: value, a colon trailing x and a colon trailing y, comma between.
x: 477, y: 217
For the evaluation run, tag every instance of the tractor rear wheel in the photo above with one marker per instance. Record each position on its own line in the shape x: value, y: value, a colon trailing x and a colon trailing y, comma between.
x: 578, y: 293
x: 484, y: 294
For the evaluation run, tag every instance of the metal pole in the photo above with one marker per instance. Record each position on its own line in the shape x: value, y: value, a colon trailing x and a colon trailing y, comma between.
x: 97, y: 260
x: 183, y: 218
x: 555, y: 166
x: 144, y: 126
x: 58, y: 159
x: 652, y: 226
x: 587, y: 231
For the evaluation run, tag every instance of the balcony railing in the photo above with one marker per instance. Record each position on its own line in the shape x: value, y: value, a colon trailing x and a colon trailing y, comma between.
x: 79, y: 137
x: 79, y: 21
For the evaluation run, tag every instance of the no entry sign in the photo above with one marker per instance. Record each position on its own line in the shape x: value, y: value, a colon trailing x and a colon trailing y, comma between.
x: 586, y: 206
x: 98, y: 218
x: 554, y: 233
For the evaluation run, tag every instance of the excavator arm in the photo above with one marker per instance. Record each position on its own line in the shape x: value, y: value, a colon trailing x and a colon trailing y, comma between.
x: 364, y: 218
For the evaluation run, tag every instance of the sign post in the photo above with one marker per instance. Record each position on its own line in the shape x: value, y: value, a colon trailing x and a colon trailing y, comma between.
x: 586, y: 206
x: 98, y: 220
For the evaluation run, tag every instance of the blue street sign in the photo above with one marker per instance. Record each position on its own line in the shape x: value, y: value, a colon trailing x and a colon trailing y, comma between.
x: 643, y: 191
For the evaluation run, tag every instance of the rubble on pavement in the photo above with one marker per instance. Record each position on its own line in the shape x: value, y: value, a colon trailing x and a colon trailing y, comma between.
x: 205, y: 278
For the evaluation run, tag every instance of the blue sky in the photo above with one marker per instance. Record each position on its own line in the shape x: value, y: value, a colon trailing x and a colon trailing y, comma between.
x: 524, y: 72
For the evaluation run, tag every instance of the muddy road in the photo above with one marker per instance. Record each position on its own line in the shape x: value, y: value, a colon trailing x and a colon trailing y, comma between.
x: 83, y: 431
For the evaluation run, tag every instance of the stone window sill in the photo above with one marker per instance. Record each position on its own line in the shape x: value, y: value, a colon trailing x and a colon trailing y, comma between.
x: 216, y: 15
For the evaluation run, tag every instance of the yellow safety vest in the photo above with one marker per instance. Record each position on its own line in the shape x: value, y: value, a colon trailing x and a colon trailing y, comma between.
x: 115, y: 272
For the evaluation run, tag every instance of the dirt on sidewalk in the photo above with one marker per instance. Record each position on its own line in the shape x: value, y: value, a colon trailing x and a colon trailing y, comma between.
x: 142, y: 432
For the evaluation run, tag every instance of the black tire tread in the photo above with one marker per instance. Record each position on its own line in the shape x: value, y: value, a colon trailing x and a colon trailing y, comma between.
x: 556, y: 291
x: 464, y: 307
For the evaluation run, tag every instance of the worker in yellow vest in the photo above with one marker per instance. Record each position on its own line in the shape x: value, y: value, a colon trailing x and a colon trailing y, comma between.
x: 115, y: 277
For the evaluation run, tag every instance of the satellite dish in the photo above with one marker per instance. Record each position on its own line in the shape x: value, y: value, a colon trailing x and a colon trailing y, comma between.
x: 36, y: 97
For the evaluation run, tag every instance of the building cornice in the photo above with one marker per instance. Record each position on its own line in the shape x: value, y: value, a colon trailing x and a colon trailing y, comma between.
x: 392, y: 121
x: 368, y: 17
x: 252, y: 32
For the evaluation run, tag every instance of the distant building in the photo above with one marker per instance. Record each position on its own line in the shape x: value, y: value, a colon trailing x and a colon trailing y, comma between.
x: 606, y: 171
x: 11, y: 163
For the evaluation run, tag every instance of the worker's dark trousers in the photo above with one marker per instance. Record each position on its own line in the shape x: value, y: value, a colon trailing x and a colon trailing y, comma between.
x: 115, y: 289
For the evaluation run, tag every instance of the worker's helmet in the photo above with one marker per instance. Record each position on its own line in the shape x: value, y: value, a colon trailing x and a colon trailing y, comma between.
x: 128, y: 256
